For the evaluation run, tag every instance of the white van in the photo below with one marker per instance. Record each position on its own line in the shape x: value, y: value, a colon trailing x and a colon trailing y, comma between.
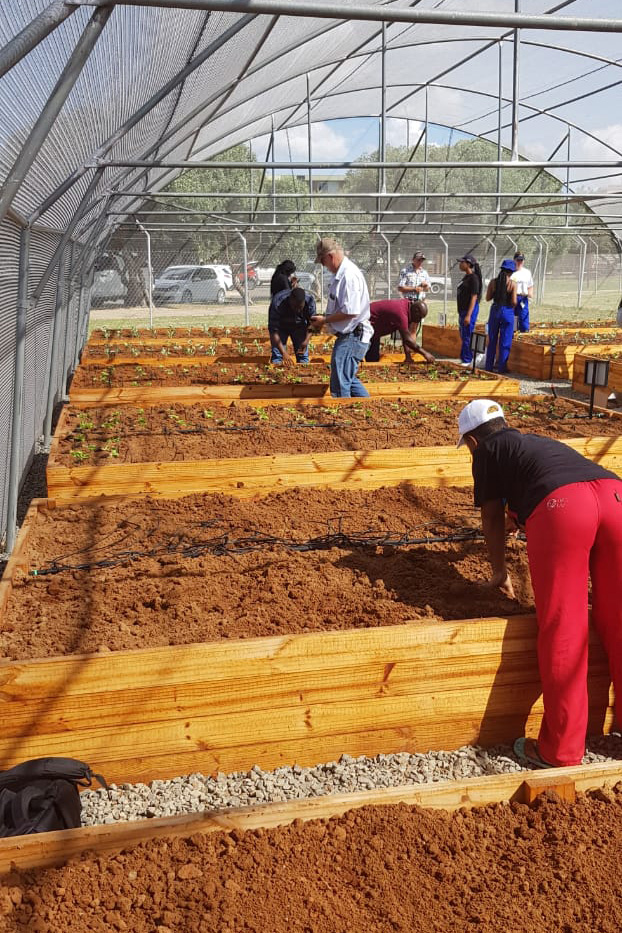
x: 183, y: 284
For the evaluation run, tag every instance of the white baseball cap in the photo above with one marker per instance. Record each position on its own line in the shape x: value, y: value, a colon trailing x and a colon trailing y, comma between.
x: 475, y: 413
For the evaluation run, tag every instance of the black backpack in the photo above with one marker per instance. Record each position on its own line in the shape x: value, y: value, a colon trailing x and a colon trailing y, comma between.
x: 41, y: 795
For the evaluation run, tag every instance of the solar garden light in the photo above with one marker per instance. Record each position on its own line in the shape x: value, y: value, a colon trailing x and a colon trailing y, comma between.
x: 478, y: 345
x: 596, y: 374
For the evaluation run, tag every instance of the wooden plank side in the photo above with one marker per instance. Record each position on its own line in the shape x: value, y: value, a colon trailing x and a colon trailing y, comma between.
x: 249, y: 476
x: 162, y: 362
x: 137, y: 715
x: 56, y: 848
x: 262, y: 394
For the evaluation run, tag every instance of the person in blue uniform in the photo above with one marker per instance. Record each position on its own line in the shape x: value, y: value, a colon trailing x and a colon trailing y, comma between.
x: 502, y: 292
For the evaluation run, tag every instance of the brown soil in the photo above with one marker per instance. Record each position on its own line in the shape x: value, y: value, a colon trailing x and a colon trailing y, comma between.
x: 125, y: 374
x: 571, y: 339
x: 166, y: 598
x: 196, y: 432
x: 575, y: 326
x: 141, y: 332
x: 551, y: 867
x: 172, y: 350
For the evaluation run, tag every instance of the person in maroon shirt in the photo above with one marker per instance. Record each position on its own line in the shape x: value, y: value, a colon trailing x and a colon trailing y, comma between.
x: 400, y: 315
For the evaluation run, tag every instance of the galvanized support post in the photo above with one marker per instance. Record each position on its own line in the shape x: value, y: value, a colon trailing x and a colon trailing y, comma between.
x: 446, y: 245
x: 17, y: 417
x: 273, y: 188
x: 494, y: 255
x: 544, y: 269
x: 59, y: 95
x: 51, y: 388
x: 425, y: 159
x: 309, y: 141
x: 247, y: 319
x: 388, y: 242
x: 515, y: 87
x: 34, y: 33
x: 513, y: 242
x: 382, y: 149
x: 595, y: 245
x: 149, y: 274
x: 581, y: 269
x: 568, y: 177
x: 499, y: 127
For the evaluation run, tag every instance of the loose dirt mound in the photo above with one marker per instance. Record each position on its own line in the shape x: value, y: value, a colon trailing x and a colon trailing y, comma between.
x: 551, y: 867
x: 135, y: 585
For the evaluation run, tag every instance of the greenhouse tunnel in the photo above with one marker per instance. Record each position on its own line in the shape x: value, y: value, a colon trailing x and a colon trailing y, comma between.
x: 493, y: 126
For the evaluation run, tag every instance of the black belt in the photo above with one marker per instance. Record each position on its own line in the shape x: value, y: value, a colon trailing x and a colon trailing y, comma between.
x: 358, y: 332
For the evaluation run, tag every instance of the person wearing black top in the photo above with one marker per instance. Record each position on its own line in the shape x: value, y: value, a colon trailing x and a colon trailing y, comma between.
x: 502, y: 292
x: 571, y: 510
x: 468, y: 298
x: 281, y: 276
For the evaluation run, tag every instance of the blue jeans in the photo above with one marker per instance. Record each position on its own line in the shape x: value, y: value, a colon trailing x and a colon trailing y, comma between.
x: 501, y: 329
x: 522, y: 314
x: 466, y: 331
x: 297, y: 335
x: 348, y: 353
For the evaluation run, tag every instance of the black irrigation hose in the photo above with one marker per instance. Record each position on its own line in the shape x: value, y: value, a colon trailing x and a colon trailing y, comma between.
x: 223, y: 545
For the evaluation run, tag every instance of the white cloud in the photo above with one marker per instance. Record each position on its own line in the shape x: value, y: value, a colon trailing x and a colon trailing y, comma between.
x: 401, y: 131
x: 326, y: 144
x: 583, y: 147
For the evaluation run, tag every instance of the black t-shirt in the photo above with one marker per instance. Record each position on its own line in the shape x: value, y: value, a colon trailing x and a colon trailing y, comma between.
x: 524, y: 468
x: 468, y: 287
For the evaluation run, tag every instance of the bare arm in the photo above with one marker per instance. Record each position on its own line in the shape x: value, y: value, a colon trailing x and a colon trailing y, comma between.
x: 493, y: 526
x: 491, y: 289
x: 411, y: 345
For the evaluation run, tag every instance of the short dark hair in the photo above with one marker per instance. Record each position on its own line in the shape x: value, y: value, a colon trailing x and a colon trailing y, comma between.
x: 298, y: 297
x: 487, y: 428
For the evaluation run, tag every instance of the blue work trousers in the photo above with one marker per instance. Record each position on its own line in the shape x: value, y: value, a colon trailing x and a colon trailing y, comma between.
x: 466, y: 332
x: 522, y: 314
x: 348, y: 354
x: 297, y: 335
x: 501, y: 331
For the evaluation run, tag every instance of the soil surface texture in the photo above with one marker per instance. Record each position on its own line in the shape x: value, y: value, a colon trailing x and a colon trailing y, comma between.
x: 196, y: 432
x: 208, y: 347
x: 551, y: 867
x: 126, y: 374
x: 171, y: 332
x: 209, y: 567
x: 573, y: 339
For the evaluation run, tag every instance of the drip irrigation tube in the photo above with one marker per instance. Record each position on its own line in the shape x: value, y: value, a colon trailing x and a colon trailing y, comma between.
x: 223, y: 545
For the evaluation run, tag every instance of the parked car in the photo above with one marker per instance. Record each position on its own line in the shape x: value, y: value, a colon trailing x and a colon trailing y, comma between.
x: 439, y: 283
x: 264, y: 274
x: 191, y: 283
x: 306, y: 280
x: 110, y: 282
x: 226, y: 272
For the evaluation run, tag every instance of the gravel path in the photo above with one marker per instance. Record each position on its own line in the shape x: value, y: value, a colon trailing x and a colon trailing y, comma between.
x: 195, y: 792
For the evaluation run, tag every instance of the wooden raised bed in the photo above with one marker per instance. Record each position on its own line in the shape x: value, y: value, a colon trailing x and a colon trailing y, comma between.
x: 272, y: 393
x: 229, y: 356
x: 44, y: 851
x: 615, y: 375
x: 537, y: 361
x: 227, y: 705
x: 251, y: 476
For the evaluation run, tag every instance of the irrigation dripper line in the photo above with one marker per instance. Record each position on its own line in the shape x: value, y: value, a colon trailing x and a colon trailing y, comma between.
x: 224, y: 545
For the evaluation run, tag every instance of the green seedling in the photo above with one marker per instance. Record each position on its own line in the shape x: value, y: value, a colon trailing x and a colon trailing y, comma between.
x: 263, y: 414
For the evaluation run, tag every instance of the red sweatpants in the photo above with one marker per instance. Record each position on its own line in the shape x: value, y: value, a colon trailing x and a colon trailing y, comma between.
x: 575, y: 532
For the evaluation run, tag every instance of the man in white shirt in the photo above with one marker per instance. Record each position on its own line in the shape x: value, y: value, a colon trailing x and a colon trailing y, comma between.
x: 347, y: 317
x: 414, y: 280
x: 524, y: 291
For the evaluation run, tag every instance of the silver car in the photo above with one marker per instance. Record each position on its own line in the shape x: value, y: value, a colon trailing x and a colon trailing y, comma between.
x: 205, y: 284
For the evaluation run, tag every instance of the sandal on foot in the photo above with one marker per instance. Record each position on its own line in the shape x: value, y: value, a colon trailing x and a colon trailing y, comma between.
x: 532, y: 760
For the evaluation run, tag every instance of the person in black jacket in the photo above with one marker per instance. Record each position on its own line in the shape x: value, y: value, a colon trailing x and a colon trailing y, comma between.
x: 289, y: 316
x: 281, y: 276
x: 468, y: 298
